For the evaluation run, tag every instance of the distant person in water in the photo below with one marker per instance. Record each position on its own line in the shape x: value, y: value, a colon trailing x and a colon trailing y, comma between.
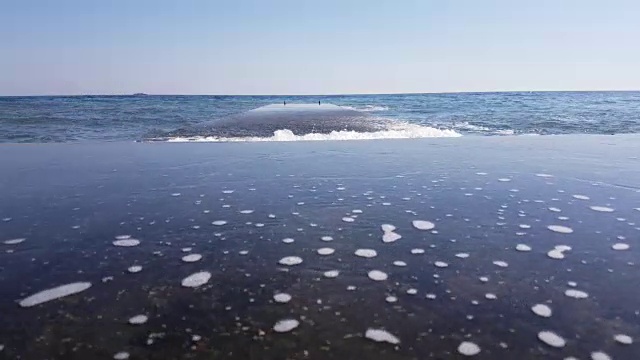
x: 285, y: 103
x: 318, y: 102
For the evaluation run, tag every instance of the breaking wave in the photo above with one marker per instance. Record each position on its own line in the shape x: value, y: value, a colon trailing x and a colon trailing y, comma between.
x: 367, y: 108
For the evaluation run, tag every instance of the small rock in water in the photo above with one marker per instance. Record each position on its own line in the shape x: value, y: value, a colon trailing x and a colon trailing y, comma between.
x: 380, y: 335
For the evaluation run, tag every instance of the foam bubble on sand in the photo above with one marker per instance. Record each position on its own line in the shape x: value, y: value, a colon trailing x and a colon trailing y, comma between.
x: 122, y: 355
x: 500, y: 263
x: 366, y: 253
x: 390, y: 236
x: 620, y: 246
x: 560, y: 229
x: 599, y: 355
x: 601, y: 208
x: 623, y: 339
x: 325, y: 251
x: 331, y: 274
x: 523, y: 247
x: 380, y: 335
x: 282, y: 298
x: 326, y: 238
x: 552, y: 339
x: 399, y: 263
x: 287, y: 240
x: 196, y: 279
x: 462, y: 255
x: 54, y: 293
x: 191, y: 258
x: 581, y: 197
x: 576, y: 294
x: 377, y: 275
x: 290, y: 260
x: 423, y: 224
x: 440, y: 264
x: 14, y: 241
x: 391, y: 299
x: 468, y: 348
x: 134, y: 269
x: 127, y: 242
x: 285, y: 325
x: 138, y: 320
x: 417, y: 251
x: 246, y: 211
x: 541, y: 310
x: 387, y: 227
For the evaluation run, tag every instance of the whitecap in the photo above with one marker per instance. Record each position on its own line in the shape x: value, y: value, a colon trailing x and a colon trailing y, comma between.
x: 285, y: 325
x: 601, y: 208
x: 290, y: 260
x: 366, y: 253
x: 552, y: 339
x: 191, y: 258
x: 54, y: 293
x: 377, y: 275
x: 423, y: 225
x: 14, y: 241
x: 380, y: 335
x: 468, y: 348
x: 196, y: 279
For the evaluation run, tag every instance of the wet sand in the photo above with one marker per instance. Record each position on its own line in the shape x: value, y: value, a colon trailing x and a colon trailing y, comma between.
x: 465, y: 281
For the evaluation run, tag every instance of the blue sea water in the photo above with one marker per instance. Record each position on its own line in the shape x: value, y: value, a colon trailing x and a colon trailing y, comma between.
x: 134, y: 118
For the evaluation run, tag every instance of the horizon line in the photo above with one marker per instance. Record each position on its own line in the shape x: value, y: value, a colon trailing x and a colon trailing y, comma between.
x: 328, y: 94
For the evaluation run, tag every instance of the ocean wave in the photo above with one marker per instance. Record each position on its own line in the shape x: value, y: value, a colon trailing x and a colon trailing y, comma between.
x: 404, y: 131
x: 367, y: 108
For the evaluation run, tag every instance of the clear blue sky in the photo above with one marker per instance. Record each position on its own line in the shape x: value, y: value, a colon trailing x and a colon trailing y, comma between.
x: 316, y: 47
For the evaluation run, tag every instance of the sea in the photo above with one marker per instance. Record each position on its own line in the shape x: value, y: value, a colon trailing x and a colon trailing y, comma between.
x: 43, y: 119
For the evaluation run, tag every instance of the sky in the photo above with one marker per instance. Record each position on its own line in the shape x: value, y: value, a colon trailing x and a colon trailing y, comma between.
x: 316, y: 47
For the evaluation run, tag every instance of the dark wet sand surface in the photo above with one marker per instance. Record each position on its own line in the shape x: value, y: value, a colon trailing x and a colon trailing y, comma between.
x: 70, y: 202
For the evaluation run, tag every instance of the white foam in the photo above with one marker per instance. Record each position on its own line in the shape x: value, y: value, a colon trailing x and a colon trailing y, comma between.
x: 54, y: 293
x: 377, y: 275
x: 552, y: 339
x: 246, y: 211
x: 14, y: 241
x: 122, y: 355
x: 399, y: 263
x: 325, y: 251
x: 440, y: 264
x: 287, y: 240
x: 191, y: 258
x: 601, y: 208
x: 623, y: 339
x: 599, y: 355
x: 544, y: 175
x: 356, y: 211
x: 399, y: 131
x: 227, y: 191
x: 468, y: 348
x: 387, y: 227
x: 285, y: 325
x: 500, y: 263
x: 348, y: 219
x: 331, y: 274
x: 504, y: 179
x: 430, y: 296
x: 391, y: 299
x: 560, y: 229
x: 196, y: 279
x: 558, y: 252
x: 423, y: 225
x: 134, y: 269
x: 523, y: 247
x: 366, y: 253
x: 367, y: 108
x: 462, y: 255
x: 417, y: 251
x: 138, y: 320
x: 576, y: 294
x: 581, y: 197
x: 412, y: 291
x: 290, y: 260
x: 326, y: 238
x: 554, y: 209
x: 127, y: 242
x: 541, y: 310
x: 282, y: 298
x: 380, y: 335
x: 620, y: 246
x: 490, y: 296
